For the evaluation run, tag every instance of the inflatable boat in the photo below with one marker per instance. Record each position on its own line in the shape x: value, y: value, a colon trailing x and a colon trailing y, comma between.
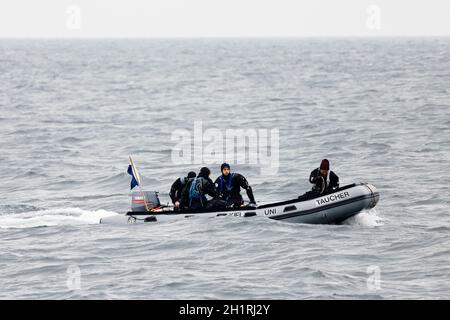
x: 331, y: 208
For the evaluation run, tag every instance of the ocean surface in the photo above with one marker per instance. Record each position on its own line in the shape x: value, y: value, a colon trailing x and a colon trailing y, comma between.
x: 72, y: 111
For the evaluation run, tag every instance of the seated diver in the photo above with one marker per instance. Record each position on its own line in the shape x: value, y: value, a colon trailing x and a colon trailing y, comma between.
x: 194, y: 194
x: 177, y: 188
x: 229, y: 187
x: 325, y: 181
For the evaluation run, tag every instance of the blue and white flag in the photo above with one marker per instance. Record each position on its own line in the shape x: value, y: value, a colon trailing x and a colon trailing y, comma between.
x: 134, y: 181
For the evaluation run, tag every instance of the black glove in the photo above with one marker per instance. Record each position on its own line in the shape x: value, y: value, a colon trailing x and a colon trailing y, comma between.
x: 252, y: 205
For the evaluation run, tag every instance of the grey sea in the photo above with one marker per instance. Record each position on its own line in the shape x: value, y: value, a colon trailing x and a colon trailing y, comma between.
x: 72, y: 111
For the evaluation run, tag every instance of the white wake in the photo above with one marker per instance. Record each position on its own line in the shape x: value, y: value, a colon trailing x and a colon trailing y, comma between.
x: 53, y: 217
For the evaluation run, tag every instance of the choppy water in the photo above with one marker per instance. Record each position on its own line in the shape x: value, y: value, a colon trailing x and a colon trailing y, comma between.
x: 72, y: 112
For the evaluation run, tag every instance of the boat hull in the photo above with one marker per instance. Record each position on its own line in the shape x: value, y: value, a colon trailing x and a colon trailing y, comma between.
x: 329, y: 209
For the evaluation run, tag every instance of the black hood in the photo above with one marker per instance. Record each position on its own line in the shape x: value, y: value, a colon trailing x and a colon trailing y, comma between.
x: 204, y: 173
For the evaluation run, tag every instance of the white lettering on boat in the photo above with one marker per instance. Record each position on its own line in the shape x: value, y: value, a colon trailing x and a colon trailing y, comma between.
x: 332, y: 198
x: 268, y: 212
x: 235, y: 214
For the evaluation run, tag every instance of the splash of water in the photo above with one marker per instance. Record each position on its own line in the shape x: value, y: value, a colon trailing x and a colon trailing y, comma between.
x: 367, y: 218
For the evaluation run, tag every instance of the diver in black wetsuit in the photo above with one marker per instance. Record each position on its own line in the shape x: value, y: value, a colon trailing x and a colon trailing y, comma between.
x: 324, y: 180
x: 177, y: 188
x: 193, y: 196
x: 229, y: 187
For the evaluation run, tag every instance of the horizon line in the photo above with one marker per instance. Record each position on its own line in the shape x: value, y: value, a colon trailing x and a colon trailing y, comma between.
x: 217, y: 37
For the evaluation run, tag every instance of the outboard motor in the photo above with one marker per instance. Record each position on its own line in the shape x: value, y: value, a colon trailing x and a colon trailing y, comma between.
x: 137, y: 201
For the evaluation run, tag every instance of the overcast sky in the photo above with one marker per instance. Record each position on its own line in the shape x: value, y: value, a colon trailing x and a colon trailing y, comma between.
x: 223, y: 18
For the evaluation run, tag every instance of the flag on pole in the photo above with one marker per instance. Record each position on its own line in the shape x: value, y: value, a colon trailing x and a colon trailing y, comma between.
x: 134, y: 181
